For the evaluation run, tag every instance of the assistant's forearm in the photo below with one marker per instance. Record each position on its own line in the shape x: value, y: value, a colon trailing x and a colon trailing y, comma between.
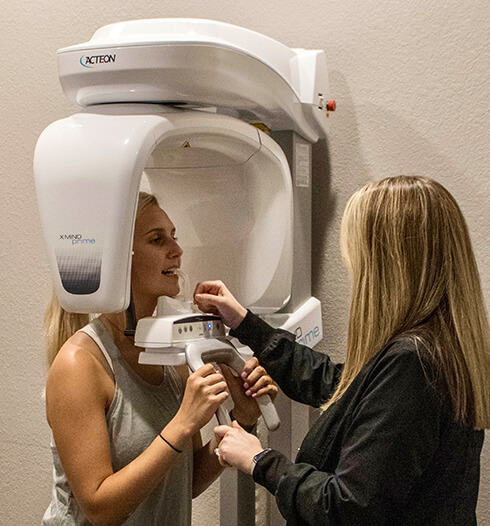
x: 303, y: 374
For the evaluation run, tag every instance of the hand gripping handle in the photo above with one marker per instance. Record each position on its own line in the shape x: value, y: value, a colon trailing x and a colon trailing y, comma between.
x: 223, y: 351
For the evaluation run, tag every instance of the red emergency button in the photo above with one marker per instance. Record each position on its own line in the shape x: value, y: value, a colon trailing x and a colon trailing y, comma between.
x: 331, y: 105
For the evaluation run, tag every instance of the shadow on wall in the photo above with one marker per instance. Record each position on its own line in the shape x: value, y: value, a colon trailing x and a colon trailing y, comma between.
x: 396, y: 147
x: 346, y: 165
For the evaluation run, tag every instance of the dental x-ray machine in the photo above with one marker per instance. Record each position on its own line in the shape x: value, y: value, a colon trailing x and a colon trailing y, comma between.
x: 173, y: 100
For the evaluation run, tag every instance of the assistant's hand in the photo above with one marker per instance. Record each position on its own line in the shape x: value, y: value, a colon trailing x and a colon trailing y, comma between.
x: 254, y: 382
x: 236, y: 447
x: 205, y: 391
x: 214, y: 297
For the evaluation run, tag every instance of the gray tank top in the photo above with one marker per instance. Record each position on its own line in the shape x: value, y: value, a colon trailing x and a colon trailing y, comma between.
x: 138, y: 412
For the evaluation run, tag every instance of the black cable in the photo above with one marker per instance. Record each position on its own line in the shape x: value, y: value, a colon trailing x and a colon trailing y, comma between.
x: 131, y: 320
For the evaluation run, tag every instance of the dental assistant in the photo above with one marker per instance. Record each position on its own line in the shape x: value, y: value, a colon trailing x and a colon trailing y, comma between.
x: 400, y: 435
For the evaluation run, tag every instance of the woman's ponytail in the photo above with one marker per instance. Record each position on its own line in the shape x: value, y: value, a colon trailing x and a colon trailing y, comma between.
x: 59, y: 325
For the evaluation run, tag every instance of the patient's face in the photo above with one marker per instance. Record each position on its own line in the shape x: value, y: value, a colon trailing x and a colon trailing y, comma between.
x: 156, y: 254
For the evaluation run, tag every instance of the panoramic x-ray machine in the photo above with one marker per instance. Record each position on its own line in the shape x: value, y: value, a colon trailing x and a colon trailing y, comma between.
x: 171, y: 101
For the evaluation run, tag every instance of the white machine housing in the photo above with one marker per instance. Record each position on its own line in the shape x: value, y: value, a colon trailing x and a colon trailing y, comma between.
x: 225, y: 184
x: 200, y: 63
x: 207, y: 171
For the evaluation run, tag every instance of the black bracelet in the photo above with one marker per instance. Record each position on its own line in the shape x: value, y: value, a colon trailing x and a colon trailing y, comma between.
x: 168, y: 443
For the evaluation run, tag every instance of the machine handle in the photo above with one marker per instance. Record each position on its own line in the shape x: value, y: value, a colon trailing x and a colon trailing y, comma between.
x: 223, y: 351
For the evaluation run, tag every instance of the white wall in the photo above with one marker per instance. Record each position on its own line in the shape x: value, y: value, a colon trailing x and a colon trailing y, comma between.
x: 411, y: 80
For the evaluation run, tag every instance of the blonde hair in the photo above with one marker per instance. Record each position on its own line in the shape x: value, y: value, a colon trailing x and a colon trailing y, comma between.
x: 59, y: 324
x: 408, y: 250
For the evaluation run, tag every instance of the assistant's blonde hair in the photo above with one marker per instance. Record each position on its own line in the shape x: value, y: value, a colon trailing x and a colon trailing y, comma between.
x: 60, y: 324
x: 413, y: 271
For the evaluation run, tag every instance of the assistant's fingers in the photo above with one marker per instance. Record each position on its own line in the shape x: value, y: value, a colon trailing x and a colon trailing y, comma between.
x: 209, y: 287
x: 223, y: 463
x: 206, y: 298
x: 208, y: 309
x: 209, y: 303
x: 220, y: 431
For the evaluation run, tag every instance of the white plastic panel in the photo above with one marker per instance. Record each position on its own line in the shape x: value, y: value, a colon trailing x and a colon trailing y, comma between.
x: 87, y: 169
x: 195, y: 30
x: 233, y: 210
x: 202, y: 63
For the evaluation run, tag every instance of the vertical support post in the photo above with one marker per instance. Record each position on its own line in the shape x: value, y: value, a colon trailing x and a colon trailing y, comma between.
x: 237, y: 499
x: 294, y: 416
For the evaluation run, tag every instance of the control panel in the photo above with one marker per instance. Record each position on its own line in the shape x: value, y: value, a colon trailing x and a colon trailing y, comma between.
x: 193, y: 327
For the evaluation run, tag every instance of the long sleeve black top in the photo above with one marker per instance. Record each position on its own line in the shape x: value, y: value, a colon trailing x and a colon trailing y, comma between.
x: 389, y: 452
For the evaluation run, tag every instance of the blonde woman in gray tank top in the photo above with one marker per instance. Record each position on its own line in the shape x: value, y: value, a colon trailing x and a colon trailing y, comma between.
x: 126, y: 443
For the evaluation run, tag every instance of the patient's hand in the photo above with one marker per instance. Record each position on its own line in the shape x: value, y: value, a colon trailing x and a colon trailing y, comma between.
x: 253, y: 382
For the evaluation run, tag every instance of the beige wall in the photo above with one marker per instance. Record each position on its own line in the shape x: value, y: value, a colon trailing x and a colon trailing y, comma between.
x: 411, y: 79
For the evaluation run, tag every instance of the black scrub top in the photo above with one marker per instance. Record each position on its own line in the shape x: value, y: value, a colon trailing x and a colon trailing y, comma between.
x: 389, y: 452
